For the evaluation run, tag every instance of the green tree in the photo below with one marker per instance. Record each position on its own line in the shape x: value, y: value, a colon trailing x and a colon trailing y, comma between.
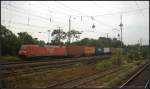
x: 10, y: 44
x: 100, y: 42
x: 41, y: 43
x: 26, y: 38
x: 57, y: 36
x: 73, y: 34
x: 103, y: 41
x: 145, y: 51
x: 84, y: 42
x: 116, y: 43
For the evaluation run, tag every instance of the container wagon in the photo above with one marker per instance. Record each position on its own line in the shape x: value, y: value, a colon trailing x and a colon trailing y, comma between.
x: 113, y: 50
x: 119, y: 49
x: 58, y: 52
x: 124, y: 50
x: 29, y: 51
x: 75, y: 51
x: 89, y: 51
x: 99, y: 51
x: 106, y: 51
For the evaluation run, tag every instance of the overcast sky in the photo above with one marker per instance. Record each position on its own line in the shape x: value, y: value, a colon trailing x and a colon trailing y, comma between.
x: 41, y: 16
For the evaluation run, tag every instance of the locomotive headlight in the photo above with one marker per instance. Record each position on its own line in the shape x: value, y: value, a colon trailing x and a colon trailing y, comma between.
x: 22, y: 52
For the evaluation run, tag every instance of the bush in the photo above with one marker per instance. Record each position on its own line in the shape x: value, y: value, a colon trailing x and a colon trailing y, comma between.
x: 9, y: 58
x: 104, y: 64
x: 144, y: 53
x: 136, y: 55
x: 117, y: 58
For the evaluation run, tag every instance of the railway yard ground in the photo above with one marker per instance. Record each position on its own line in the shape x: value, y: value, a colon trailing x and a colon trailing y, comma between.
x: 83, y: 74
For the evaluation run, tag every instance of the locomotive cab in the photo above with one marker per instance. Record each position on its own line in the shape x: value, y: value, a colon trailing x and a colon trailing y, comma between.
x: 26, y: 51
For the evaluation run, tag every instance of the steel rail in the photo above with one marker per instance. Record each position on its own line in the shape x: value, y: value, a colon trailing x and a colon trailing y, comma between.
x: 48, y: 59
x: 135, y: 75
x: 19, y: 65
x: 7, y: 71
x: 147, y: 84
x: 80, y: 80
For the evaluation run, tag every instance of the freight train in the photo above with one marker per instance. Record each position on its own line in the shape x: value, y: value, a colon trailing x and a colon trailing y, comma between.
x: 31, y: 51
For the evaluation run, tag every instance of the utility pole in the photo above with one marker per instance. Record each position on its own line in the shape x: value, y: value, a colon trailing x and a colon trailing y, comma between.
x: 0, y: 47
x: 49, y: 36
x: 107, y: 35
x: 107, y: 39
x: 121, y: 25
x: 140, y: 42
x: 118, y: 36
x: 59, y: 31
x: 2, y: 36
x: 69, y: 30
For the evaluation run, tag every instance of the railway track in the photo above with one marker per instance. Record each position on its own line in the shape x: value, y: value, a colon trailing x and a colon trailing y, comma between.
x: 140, y: 79
x: 47, y: 60
x: 9, y: 70
x: 81, y: 80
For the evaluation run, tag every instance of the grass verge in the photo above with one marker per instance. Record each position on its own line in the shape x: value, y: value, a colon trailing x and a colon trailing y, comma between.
x: 8, y: 58
x: 116, y: 78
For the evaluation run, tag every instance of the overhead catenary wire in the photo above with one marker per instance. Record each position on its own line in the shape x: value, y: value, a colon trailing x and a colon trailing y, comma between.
x: 84, y: 14
x: 145, y: 3
x: 87, y: 16
x: 112, y: 13
x: 25, y: 30
x: 100, y: 22
x: 108, y: 26
x: 23, y: 24
x: 71, y: 8
x: 17, y: 29
x: 100, y: 7
x: 30, y: 25
x: 124, y: 12
x: 17, y: 11
x: 66, y: 10
x: 22, y: 12
x: 60, y: 12
x: 139, y: 8
x: 44, y: 5
x: 46, y: 19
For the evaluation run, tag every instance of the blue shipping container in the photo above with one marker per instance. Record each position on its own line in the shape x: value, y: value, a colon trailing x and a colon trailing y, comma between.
x: 99, y: 51
x: 125, y: 50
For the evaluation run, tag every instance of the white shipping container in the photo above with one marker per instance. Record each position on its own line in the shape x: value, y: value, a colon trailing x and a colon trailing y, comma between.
x: 106, y: 50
